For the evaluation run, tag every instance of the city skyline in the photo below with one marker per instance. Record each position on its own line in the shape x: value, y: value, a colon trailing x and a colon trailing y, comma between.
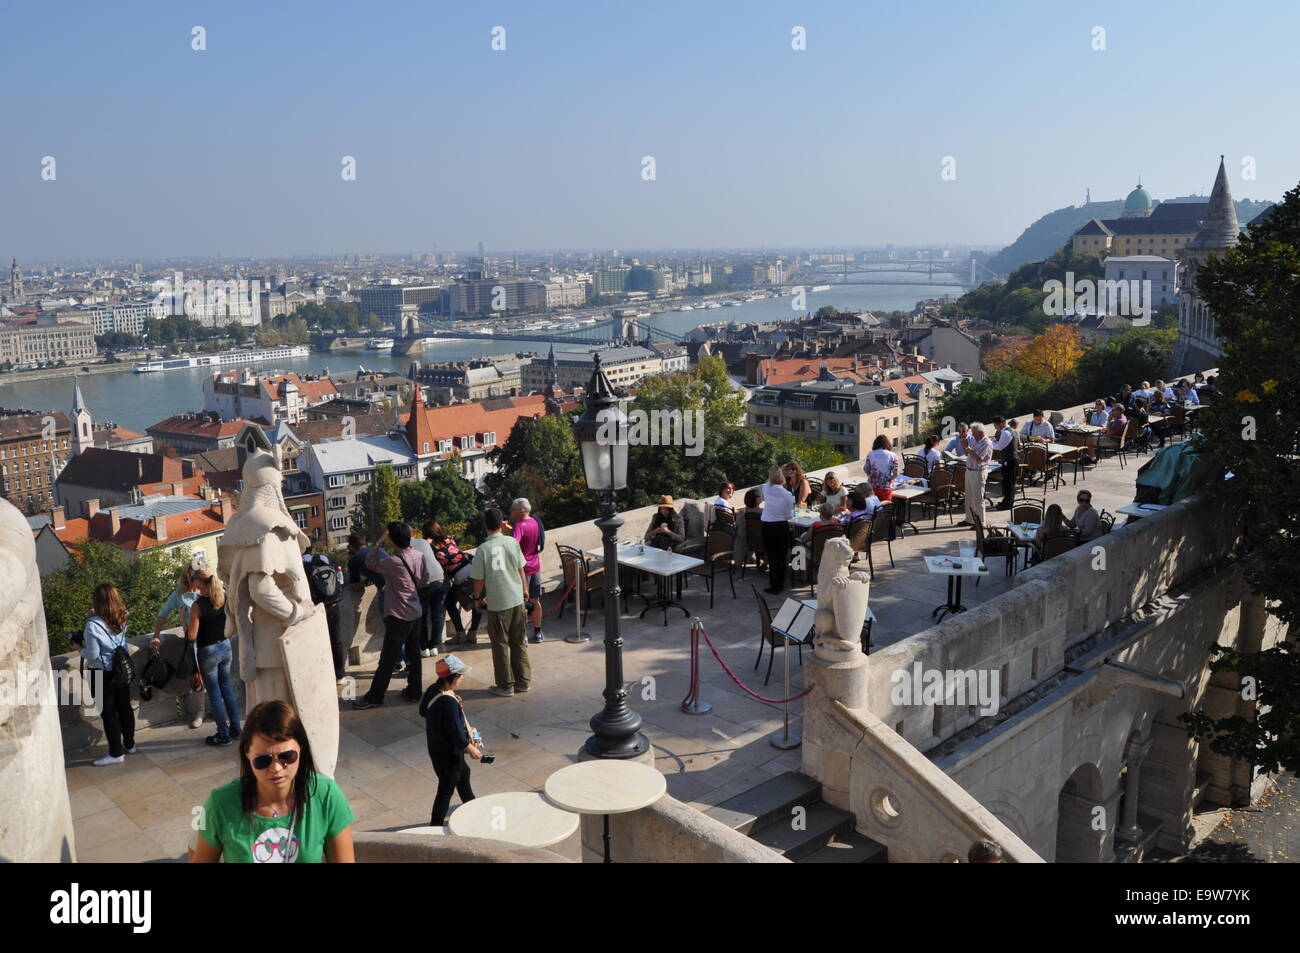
x: 541, y: 145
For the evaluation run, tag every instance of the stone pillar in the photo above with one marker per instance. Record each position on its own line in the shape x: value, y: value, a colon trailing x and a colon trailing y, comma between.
x: 33, y: 787
x: 1134, y: 752
x: 827, y: 745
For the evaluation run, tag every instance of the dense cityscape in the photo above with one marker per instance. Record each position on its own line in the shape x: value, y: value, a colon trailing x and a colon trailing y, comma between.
x: 301, y: 542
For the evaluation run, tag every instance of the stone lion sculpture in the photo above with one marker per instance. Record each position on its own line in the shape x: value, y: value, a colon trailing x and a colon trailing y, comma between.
x: 841, y: 602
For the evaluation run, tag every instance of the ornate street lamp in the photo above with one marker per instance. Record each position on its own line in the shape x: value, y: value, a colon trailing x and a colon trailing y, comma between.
x: 602, y: 434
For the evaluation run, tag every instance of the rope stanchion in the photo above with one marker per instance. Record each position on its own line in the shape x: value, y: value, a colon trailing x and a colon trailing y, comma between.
x: 691, y: 704
x: 694, y: 691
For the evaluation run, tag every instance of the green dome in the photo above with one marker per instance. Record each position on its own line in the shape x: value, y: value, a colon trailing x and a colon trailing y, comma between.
x: 1138, y: 201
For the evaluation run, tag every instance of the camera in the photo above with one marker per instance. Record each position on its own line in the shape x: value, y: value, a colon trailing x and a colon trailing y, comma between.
x: 529, y: 605
x: 477, y: 739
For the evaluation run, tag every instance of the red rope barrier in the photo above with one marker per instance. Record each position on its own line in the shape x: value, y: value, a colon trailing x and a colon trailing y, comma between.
x: 695, y: 671
x: 556, y: 608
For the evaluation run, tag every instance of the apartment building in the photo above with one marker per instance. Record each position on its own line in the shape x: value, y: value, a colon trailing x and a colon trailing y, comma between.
x: 848, y: 415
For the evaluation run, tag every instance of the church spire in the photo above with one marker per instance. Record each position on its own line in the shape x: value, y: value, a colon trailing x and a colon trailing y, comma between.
x: 1220, y: 228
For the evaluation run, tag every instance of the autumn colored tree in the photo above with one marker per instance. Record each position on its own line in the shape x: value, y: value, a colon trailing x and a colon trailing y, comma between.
x: 1052, y: 356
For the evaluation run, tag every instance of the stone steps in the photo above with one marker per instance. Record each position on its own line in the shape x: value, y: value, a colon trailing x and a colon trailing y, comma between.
x: 765, y: 813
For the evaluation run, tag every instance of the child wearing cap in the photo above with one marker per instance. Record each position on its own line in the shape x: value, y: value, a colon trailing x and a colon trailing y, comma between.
x: 448, y: 736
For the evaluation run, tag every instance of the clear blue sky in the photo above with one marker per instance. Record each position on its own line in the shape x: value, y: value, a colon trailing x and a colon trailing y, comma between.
x: 164, y: 151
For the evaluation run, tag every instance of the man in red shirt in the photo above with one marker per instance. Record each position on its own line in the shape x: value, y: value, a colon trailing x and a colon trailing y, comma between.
x: 524, y: 528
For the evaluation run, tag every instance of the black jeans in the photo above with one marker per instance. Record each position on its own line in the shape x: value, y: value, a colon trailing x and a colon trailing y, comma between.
x: 397, y: 633
x: 776, y: 542
x: 116, y: 713
x: 453, y: 775
x: 337, y: 646
x: 452, y: 605
x: 1009, y: 467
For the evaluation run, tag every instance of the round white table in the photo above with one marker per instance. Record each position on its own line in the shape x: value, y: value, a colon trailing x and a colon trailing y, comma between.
x: 605, y: 787
x: 517, y: 817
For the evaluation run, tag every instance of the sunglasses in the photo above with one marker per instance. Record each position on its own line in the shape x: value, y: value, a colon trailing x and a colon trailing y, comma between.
x: 286, y: 758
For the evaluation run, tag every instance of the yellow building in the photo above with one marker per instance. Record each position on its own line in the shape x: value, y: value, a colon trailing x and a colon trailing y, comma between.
x: 1143, y: 229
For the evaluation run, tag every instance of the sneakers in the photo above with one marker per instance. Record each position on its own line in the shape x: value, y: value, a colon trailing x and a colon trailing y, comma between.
x: 501, y: 692
x: 234, y: 731
x: 410, y: 696
x: 197, y: 722
x: 218, y: 741
x: 537, y: 637
x: 362, y: 703
x: 133, y: 750
x: 521, y: 691
x: 425, y: 653
x: 109, y: 759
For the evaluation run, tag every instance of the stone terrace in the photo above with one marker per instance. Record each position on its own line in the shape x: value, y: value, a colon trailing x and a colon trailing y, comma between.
x: 141, y: 810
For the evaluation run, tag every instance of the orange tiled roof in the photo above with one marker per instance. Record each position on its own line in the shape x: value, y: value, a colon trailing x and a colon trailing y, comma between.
x: 203, y: 426
x: 431, y: 424
x: 137, y: 535
x: 788, y: 370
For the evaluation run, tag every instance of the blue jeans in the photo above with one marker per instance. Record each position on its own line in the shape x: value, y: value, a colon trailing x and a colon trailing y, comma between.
x: 434, y: 621
x: 214, y: 662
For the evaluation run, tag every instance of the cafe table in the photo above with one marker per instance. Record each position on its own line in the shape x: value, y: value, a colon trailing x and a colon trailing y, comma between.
x: 1136, y: 511
x: 955, y: 568
x: 524, y: 818
x: 604, y: 787
x: 665, y: 565
x: 1024, y: 533
x: 906, y: 493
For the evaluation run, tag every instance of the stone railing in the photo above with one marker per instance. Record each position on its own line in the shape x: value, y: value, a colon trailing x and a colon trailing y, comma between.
x: 670, y: 832
x: 385, y: 847
x: 37, y: 824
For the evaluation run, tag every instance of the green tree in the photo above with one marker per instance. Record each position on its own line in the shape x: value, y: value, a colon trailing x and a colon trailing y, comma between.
x: 454, y: 500
x: 1000, y: 392
x: 144, y: 580
x: 1136, y: 355
x: 541, y: 453
x: 1253, y: 430
x: 569, y: 503
x: 379, y: 505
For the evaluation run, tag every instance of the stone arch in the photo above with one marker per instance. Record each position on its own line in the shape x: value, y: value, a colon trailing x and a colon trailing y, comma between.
x: 1077, y: 839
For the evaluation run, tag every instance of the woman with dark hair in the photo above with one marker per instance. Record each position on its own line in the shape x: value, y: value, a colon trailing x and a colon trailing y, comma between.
x: 104, y: 634
x: 449, y: 737
x: 455, y: 569
x: 279, y: 810
x: 931, y: 454
x: 797, y: 483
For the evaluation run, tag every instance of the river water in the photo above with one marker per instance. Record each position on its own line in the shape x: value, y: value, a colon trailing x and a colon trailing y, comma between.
x: 135, y: 401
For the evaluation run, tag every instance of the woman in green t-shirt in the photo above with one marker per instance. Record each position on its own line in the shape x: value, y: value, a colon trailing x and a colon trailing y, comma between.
x: 279, y: 810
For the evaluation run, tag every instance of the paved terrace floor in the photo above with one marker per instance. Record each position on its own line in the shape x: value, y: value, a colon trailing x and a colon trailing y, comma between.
x: 141, y: 810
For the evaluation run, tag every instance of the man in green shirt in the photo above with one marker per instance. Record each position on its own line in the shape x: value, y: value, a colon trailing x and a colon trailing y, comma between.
x: 501, y: 588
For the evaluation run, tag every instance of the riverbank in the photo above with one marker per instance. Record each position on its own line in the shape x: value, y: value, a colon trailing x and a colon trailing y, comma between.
x: 126, y: 364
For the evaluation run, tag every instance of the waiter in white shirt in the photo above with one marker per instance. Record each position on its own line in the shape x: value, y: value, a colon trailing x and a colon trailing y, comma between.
x: 979, y: 453
x: 1006, y: 444
x: 778, y: 510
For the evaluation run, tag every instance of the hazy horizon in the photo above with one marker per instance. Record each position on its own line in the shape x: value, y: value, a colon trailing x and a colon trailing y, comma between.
x: 164, y: 152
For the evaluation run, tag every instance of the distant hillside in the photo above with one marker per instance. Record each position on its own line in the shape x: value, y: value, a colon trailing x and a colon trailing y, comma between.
x: 1050, y: 233
x: 1047, y: 235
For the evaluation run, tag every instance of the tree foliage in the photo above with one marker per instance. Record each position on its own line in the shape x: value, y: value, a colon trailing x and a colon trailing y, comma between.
x: 379, y: 505
x: 144, y: 580
x: 1253, y: 430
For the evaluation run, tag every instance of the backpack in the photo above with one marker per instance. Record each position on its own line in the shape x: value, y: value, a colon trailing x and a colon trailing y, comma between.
x: 541, y: 534
x: 122, y: 673
x: 157, y: 671
x: 324, y: 582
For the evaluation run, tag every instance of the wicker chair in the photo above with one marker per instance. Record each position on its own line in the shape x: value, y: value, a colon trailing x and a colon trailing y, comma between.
x: 818, y: 542
x: 769, y: 638
x: 754, y: 538
x: 991, y: 543
x: 882, y: 522
x: 719, y: 547
x: 579, y: 575
x: 1037, y: 461
x: 939, y: 496
x: 1056, y: 543
x: 859, y: 534
x: 914, y: 466
x: 1027, y: 511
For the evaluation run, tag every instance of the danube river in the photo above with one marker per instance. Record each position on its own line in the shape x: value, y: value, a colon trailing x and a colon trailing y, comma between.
x: 135, y: 401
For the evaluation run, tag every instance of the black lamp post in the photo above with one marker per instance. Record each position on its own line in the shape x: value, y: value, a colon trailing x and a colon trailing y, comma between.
x: 602, y: 434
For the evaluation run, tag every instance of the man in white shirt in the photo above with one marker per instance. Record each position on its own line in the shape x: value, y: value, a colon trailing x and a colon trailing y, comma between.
x: 1039, y: 430
x: 979, y: 453
x: 1006, y: 447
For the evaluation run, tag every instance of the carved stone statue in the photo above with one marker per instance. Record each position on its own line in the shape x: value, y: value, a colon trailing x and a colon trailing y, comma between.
x: 841, y: 602
x: 283, y: 641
